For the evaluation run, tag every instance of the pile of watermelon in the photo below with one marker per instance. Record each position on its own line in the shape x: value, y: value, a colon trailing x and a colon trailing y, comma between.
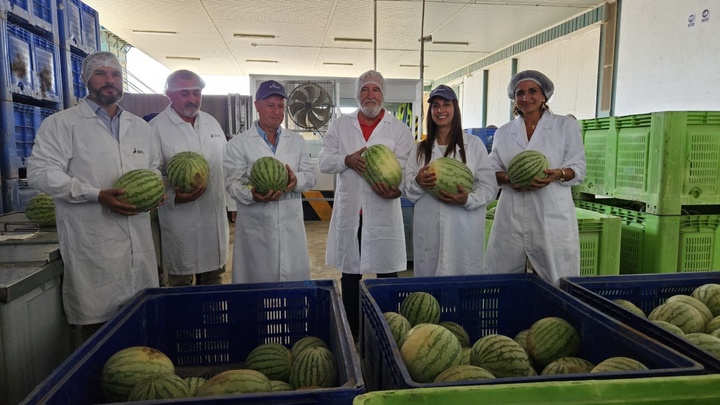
x: 142, y: 373
x: 695, y: 317
x: 435, y: 351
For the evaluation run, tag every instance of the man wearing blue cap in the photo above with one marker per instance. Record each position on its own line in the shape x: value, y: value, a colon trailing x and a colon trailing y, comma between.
x: 270, y: 242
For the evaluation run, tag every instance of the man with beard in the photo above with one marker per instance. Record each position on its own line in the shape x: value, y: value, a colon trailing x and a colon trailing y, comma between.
x: 79, y: 153
x: 364, y: 216
x: 193, y: 226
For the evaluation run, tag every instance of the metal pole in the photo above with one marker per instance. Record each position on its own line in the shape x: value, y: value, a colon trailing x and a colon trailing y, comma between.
x: 422, y: 71
x: 375, y: 37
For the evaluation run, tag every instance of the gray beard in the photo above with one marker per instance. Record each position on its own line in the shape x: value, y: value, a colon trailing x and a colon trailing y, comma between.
x: 371, y: 112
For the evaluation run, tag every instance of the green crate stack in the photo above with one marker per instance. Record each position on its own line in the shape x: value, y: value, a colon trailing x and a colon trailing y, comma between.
x: 666, y: 160
x: 664, y: 243
x: 599, y: 241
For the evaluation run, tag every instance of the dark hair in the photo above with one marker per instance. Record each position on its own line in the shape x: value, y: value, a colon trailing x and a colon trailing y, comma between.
x: 456, y: 136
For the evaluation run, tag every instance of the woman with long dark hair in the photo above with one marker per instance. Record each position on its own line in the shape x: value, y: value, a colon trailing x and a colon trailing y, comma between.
x: 448, y: 231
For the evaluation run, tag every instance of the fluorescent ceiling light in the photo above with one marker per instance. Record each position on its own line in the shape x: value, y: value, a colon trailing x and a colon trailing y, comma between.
x: 450, y: 43
x: 182, y: 57
x: 262, y: 36
x: 261, y: 61
x: 412, y: 66
x: 353, y: 40
x: 337, y: 63
x: 154, y: 32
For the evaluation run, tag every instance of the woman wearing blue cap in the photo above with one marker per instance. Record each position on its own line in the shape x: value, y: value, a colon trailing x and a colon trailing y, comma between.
x: 448, y: 231
x: 536, y: 224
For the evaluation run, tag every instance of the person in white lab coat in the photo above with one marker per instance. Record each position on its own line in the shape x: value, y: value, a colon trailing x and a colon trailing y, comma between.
x: 193, y: 226
x: 270, y: 241
x: 364, y: 215
x: 79, y: 153
x: 448, y: 231
x: 536, y: 224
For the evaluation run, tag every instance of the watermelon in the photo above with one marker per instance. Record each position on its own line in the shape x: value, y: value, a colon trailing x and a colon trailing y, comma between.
x: 235, y: 382
x: 399, y: 326
x: 381, y: 165
x: 306, y: 342
x: 272, y: 359
x: 143, y: 188
x: 463, y: 373
x: 164, y: 386
x: 278, y: 386
x: 680, y: 314
x: 194, y: 384
x: 550, y: 339
x: 695, y: 303
x: 629, y: 306
x: 500, y: 355
x: 314, y: 366
x: 429, y: 350
x: 713, y: 325
x: 268, y: 173
x: 615, y: 364
x: 466, y: 352
x: 568, y: 365
x: 450, y: 173
x: 41, y: 210
x: 188, y: 171
x: 128, y: 367
x: 709, y: 294
x: 458, y: 331
x: 669, y: 327
x: 715, y: 333
x: 526, y: 166
x: 420, y: 307
x: 709, y: 343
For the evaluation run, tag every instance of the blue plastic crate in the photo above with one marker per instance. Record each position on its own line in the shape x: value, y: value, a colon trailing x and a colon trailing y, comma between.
x: 19, y: 60
x: 487, y: 135
x: 506, y: 305
x: 46, y: 65
x: 43, y: 12
x: 90, y: 28
x: 647, y: 291
x: 206, y: 330
x: 69, y: 25
x: 16, y: 8
x: 79, y: 87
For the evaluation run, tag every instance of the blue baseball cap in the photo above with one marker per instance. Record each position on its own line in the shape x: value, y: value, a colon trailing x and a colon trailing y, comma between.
x: 442, y: 91
x: 270, y: 88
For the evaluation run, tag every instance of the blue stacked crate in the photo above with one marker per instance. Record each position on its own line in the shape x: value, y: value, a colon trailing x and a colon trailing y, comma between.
x: 485, y: 134
x: 79, y: 36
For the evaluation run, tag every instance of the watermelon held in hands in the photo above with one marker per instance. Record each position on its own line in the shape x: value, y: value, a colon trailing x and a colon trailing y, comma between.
x: 381, y: 165
x: 526, y: 166
x: 143, y: 188
x: 268, y: 173
x: 449, y: 174
x: 41, y: 210
x: 188, y: 171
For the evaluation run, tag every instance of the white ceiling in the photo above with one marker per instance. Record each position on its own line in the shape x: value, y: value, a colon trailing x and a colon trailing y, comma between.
x: 305, y: 31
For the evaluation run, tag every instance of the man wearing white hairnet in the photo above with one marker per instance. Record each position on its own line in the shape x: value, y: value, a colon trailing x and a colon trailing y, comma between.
x: 194, y: 226
x: 79, y: 153
x: 364, y: 216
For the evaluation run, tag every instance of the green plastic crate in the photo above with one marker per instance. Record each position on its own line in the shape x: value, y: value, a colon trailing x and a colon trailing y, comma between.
x: 664, y: 244
x: 691, y: 390
x: 665, y: 159
x: 599, y: 242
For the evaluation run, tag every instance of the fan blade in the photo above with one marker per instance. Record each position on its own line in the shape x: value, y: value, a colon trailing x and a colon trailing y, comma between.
x: 300, y: 118
x: 323, y: 113
x: 299, y: 95
x: 310, y: 92
x: 316, y: 121
x: 322, y: 98
x: 294, y: 106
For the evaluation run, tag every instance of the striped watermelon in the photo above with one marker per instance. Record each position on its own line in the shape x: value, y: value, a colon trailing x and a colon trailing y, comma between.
x: 526, y: 166
x: 128, y: 367
x: 715, y: 333
x: 463, y: 373
x: 568, y: 365
x: 235, y: 382
x: 450, y: 173
x: 550, y: 339
x: 615, y: 364
x: 165, y: 386
x: 314, y: 366
x: 709, y: 294
x: 306, y: 342
x: 420, y: 307
x: 278, y: 386
x: 458, y: 331
x: 268, y: 173
x: 272, y: 359
x: 41, y: 210
x: 466, y: 352
x: 695, y: 303
x: 429, y: 350
x: 669, y: 327
x: 188, y: 171
x: 629, y: 306
x: 709, y: 343
x: 194, y: 384
x: 381, y: 165
x: 399, y: 326
x: 680, y: 314
x: 500, y: 355
x: 713, y: 325
x: 143, y: 188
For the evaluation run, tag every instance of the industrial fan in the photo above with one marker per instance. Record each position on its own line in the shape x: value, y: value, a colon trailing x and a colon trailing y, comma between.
x: 310, y: 106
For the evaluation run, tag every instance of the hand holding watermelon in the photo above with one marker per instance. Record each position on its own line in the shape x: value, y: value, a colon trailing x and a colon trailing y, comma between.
x: 292, y: 180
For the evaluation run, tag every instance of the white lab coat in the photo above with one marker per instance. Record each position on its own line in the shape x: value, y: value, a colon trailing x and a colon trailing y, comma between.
x: 270, y: 241
x: 195, y: 235
x: 108, y: 257
x: 383, y: 234
x: 449, y: 240
x: 540, y: 224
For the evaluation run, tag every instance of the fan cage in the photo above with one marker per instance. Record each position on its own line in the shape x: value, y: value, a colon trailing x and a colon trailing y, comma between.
x: 290, y: 86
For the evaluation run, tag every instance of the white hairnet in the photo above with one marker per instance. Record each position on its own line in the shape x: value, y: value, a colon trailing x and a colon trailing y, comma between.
x: 371, y: 76
x: 171, y: 85
x: 97, y: 59
x: 543, y: 81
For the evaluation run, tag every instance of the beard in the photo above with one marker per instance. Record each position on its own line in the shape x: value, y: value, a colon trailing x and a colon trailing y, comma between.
x: 97, y: 95
x: 371, y: 110
x: 190, y: 110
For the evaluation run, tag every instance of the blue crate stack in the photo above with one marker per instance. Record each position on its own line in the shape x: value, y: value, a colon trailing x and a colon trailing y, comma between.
x: 485, y: 134
x: 42, y: 43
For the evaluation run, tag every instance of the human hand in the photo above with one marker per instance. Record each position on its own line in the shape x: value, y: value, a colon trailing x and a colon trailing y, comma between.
x: 292, y: 180
x: 425, y: 179
x: 182, y: 198
x: 108, y: 198
x: 271, y: 195
x: 355, y: 161
x: 459, y: 198
x: 385, y: 191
